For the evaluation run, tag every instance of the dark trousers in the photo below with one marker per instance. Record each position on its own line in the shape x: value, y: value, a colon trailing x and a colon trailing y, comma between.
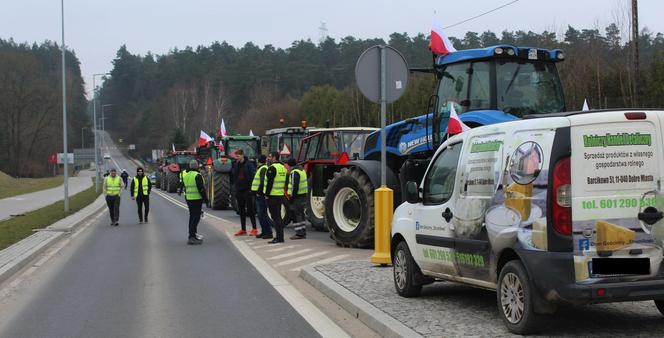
x: 245, y: 205
x: 141, y: 202
x: 263, y: 219
x: 195, y: 208
x: 113, y: 203
x: 274, y: 205
x: 298, y: 203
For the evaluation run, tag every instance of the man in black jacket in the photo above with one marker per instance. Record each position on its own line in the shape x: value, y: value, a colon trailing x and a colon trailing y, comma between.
x: 194, y: 189
x: 243, y: 174
x: 140, y: 190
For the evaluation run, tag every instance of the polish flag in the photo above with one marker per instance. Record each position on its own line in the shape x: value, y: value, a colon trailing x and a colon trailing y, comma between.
x: 251, y: 132
x: 173, y: 146
x: 455, y: 125
x: 585, y: 105
x: 439, y: 43
x: 204, y: 138
x: 222, y: 129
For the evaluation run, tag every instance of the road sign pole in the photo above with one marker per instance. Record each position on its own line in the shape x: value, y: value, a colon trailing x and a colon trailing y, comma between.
x: 383, y: 108
x: 64, y: 110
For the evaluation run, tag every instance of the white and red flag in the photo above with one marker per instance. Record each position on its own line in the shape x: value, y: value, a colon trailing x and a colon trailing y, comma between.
x: 173, y: 146
x: 222, y: 129
x: 439, y: 43
x: 251, y: 132
x: 585, y: 105
x: 455, y: 125
x: 204, y: 138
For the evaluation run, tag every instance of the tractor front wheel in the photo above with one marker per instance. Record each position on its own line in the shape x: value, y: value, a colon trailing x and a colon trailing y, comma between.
x: 349, y: 208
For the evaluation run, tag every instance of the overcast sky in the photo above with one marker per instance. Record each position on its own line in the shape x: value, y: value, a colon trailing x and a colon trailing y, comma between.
x: 95, y: 29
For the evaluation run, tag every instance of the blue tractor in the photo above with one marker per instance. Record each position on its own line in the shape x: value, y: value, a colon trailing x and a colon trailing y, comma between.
x: 486, y: 86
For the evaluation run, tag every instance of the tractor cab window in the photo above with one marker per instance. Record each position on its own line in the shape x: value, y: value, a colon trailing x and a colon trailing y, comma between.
x: 183, y: 159
x: 467, y: 86
x: 353, y: 143
x: 250, y: 147
x: 527, y: 87
x: 274, y: 143
x: 308, y: 149
x: 329, y: 146
x: 439, y: 182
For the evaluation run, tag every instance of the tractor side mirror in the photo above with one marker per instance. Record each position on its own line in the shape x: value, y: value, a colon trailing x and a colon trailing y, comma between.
x: 412, y: 193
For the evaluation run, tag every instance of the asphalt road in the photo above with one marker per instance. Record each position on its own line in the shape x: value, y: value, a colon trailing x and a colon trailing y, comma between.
x: 144, y: 280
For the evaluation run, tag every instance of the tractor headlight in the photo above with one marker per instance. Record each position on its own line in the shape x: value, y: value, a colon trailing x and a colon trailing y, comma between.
x: 498, y: 50
x: 560, y: 56
x: 510, y: 52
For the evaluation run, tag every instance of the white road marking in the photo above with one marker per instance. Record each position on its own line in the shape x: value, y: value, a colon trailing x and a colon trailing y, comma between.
x: 313, y: 315
x: 301, y: 258
x: 282, y: 248
x: 289, y: 254
x: 323, y: 261
x: 263, y: 246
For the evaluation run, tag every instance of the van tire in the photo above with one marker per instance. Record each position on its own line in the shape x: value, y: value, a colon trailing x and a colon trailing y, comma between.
x: 354, y: 183
x: 514, y: 279
x: 405, y: 272
x: 660, y: 305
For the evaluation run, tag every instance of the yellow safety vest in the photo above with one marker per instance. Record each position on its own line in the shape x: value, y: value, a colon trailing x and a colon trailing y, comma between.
x: 144, y: 185
x: 258, y: 177
x: 303, y: 187
x: 279, y: 183
x: 190, y: 189
x: 113, y: 185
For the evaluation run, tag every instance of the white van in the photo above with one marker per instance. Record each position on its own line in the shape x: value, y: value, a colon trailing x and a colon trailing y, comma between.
x: 563, y: 208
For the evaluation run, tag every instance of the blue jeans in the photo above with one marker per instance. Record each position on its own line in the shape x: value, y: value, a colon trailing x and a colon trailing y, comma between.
x: 263, y: 219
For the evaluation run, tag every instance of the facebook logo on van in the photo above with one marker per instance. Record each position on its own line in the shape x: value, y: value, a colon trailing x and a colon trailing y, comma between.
x: 584, y: 244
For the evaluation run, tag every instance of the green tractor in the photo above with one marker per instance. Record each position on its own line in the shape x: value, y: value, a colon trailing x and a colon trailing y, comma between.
x: 218, y: 160
x: 168, y: 175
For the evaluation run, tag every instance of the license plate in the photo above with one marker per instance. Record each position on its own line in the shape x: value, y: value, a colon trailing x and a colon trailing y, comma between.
x: 620, y: 266
x: 532, y: 54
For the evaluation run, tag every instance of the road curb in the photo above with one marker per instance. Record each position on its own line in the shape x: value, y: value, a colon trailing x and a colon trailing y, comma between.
x: 373, y: 317
x: 17, y: 256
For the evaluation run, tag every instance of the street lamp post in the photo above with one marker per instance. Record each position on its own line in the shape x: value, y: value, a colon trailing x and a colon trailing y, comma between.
x: 64, y: 110
x: 94, y: 118
x: 103, y: 129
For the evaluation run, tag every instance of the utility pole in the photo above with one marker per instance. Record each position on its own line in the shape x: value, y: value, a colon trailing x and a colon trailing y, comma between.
x: 635, y: 49
x: 64, y: 111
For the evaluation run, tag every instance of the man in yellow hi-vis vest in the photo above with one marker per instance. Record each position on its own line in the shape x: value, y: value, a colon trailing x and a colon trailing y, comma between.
x: 298, y: 189
x: 275, y: 190
x: 194, y: 194
x: 112, y: 188
x: 140, y: 191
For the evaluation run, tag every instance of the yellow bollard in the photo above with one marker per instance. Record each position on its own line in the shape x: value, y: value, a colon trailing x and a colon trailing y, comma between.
x: 383, y: 208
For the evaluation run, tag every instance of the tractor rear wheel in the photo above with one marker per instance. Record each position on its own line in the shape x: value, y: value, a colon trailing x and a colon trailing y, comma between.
x: 315, y: 211
x: 349, y: 208
x: 173, y: 180
x: 221, y: 191
x: 157, y: 183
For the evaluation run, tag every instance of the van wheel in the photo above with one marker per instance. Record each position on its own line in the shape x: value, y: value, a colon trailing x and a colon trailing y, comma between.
x: 405, y: 271
x: 660, y: 305
x: 515, y: 299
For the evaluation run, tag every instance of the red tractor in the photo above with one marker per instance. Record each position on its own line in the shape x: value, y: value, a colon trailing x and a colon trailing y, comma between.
x: 323, y: 153
x: 168, y: 175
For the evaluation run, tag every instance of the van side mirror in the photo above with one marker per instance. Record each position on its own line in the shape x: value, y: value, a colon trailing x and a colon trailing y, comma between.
x: 412, y: 193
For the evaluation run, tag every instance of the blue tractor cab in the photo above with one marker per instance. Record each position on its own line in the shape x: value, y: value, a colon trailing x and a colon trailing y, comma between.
x: 485, y: 86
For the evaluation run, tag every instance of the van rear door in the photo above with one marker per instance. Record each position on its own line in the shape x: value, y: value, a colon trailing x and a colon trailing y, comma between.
x: 615, y: 172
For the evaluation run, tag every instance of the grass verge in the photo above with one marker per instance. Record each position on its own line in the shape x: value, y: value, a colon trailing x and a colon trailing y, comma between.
x: 18, y: 228
x: 10, y: 186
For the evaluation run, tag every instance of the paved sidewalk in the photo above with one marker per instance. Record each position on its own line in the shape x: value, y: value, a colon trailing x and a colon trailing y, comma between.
x: 451, y: 310
x: 21, y: 204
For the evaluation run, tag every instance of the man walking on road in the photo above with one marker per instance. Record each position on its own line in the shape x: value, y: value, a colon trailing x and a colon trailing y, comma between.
x: 298, y: 189
x: 140, y: 190
x: 275, y: 189
x: 112, y: 189
x: 125, y: 177
x: 243, y: 172
x: 258, y: 188
x: 194, y: 194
